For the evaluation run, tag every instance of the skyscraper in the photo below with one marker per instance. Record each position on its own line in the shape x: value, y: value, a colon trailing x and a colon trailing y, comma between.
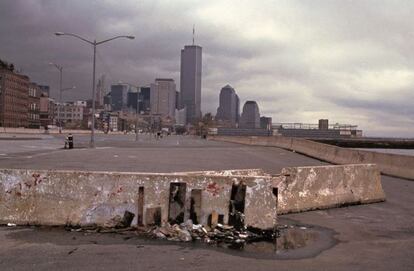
x: 145, y: 100
x: 119, y: 97
x: 190, y: 81
x: 250, y: 117
x: 163, y: 97
x: 100, y: 91
x: 228, y: 110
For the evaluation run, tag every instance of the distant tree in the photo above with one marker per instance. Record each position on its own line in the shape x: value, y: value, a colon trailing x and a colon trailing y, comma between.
x: 4, y: 64
x: 7, y: 66
x: 179, y: 130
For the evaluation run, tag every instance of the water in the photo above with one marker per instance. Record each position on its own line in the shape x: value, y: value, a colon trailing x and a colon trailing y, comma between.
x: 295, y: 241
x: 409, y: 152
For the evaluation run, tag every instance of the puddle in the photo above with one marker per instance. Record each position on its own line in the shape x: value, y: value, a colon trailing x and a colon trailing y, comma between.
x: 295, y: 241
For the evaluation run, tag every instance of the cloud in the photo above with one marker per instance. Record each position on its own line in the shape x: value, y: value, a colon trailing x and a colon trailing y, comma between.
x: 349, y: 61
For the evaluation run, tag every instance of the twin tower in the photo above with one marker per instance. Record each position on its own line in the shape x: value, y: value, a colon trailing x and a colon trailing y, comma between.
x: 190, y: 82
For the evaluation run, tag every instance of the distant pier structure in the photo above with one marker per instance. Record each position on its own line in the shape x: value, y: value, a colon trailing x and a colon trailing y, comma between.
x: 321, y: 130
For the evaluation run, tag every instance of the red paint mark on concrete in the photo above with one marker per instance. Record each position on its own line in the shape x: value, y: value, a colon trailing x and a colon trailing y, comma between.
x: 18, y: 194
x: 37, y: 178
x: 213, y: 188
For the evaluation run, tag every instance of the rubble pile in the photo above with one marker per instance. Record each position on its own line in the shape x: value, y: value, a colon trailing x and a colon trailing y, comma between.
x: 186, y: 232
x: 234, y: 235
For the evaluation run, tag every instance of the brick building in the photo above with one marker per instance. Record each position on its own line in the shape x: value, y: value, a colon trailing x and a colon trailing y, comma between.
x: 47, y: 110
x: 14, y: 93
x: 33, y: 106
x: 69, y: 114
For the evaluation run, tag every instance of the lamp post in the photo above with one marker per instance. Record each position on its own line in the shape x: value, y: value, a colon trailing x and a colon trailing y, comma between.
x: 60, y: 69
x: 65, y: 89
x: 94, y: 43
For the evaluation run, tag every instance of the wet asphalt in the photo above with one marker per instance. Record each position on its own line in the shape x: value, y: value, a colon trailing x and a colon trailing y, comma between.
x: 367, y: 237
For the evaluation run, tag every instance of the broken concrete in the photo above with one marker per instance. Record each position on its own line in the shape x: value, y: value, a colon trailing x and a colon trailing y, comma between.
x: 66, y: 197
x: 51, y: 197
x: 306, y: 188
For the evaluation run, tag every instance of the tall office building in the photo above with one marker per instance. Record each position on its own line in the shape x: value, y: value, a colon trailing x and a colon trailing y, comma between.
x: 133, y: 101
x: 228, y: 110
x: 190, y: 81
x: 145, y: 100
x: 250, y: 117
x: 100, y: 91
x: 119, y: 97
x: 163, y: 97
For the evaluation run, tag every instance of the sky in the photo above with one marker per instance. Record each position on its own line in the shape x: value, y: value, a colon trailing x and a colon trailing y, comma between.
x: 349, y: 61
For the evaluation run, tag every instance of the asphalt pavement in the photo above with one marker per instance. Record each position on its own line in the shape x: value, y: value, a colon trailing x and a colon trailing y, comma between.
x: 376, y: 236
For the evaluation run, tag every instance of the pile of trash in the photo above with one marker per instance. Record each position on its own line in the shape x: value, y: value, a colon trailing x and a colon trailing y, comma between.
x: 187, y: 231
x: 217, y: 233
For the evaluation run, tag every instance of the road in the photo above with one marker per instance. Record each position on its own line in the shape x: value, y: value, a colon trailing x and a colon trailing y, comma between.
x: 123, y: 153
x: 367, y: 237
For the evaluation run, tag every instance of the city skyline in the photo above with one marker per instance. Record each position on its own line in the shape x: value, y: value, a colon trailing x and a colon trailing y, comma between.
x: 349, y: 62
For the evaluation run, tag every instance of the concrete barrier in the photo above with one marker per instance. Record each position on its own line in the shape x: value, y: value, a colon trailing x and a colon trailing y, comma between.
x: 68, y: 197
x: 50, y: 197
x: 308, y: 188
x: 391, y: 164
x: 10, y: 130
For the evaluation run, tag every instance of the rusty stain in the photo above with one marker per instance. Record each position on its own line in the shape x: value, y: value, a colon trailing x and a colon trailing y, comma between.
x: 213, y: 188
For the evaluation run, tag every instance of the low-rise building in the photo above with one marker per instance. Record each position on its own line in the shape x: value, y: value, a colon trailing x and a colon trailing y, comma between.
x: 33, y: 119
x: 69, y: 114
x: 14, y: 93
x: 46, y: 110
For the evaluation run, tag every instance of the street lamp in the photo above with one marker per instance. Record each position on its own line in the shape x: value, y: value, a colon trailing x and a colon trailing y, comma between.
x: 94, y: 43
x: 60, y: 69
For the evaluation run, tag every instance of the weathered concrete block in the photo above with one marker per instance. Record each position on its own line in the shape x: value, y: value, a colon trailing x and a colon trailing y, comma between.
x: 307, y: 188
x: 391, y: 164
x: 71, y: 197
x: 75, y: 197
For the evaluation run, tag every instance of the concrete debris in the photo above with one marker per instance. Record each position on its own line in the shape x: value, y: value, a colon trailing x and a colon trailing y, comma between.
x: 126, y: 220
x: 187, y: 231
x: 113, y: 222
x: 116, y: 224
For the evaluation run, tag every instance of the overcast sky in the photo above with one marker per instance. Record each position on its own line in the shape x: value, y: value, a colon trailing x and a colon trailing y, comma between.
x: 349, y: 61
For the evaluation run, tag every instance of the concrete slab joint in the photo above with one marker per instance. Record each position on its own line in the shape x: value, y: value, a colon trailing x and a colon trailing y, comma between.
x: 236, y: 197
